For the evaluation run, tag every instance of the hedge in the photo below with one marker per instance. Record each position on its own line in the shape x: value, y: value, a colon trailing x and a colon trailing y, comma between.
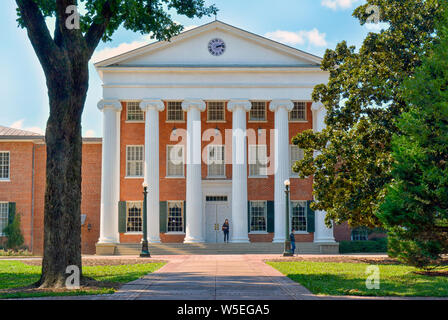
x: 370, y: 246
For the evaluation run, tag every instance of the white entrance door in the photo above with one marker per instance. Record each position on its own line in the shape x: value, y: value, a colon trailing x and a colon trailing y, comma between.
x: 217, y: 210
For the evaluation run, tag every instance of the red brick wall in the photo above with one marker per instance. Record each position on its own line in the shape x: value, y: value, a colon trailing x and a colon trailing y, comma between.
x: 175, y: 189
x: 19, y: 190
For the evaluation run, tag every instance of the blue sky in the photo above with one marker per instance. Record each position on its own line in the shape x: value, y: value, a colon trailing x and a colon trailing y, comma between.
x: 310, y: 25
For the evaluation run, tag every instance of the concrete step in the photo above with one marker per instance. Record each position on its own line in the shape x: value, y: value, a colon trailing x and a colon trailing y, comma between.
x: 213, y: 248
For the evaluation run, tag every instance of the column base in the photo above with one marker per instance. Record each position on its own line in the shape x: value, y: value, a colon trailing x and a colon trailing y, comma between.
x: 193, y: 240
x: 325, y: 240
x: 108, y: 240
x: 278, y: 240
x: 154, y: 240
x: 105, y: 249
x: 240, y: 240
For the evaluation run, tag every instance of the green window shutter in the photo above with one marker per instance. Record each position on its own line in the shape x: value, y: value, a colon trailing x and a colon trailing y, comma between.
x: 271, y: 216
x: 309, y: 217
x: 122, y: 217
x: 11, y: 212
x: 185, y: 216
x: 248, y: 216
x: 163, y: 216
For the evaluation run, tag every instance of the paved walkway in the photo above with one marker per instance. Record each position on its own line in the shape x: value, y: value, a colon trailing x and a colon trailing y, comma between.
x: 223, y: 277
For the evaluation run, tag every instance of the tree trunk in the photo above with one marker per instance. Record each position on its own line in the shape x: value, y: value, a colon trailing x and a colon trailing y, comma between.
x: 67, y: 90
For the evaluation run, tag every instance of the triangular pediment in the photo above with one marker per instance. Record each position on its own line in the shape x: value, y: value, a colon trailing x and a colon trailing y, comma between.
x: 190, y: 48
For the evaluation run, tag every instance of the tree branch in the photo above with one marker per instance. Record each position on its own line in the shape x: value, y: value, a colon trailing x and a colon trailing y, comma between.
x: 34, y: 22
x: 96, y: 31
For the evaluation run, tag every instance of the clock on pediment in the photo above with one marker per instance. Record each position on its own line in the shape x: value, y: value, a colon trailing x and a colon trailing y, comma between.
x: 216, y: 47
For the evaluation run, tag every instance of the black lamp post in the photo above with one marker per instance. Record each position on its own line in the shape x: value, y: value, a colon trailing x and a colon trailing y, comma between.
x: 145, y: 250
x: 287, y: 251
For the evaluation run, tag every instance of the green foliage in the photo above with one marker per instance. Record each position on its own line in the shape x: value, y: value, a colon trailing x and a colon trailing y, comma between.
x: 144, y: 16
x: 14, y: 253
x: 14, y: 234
x: 370, y: 246
x: 330, y: 278
x: 415, y: 210
x: 363, y: 98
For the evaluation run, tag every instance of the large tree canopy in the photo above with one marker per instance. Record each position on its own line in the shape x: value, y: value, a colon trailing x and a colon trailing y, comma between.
x: 415, y: 210
x: 363, y: 99
x: 64, y: 57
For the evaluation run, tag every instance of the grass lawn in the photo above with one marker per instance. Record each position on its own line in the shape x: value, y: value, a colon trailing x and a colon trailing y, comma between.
x: 15, y: 276
x: 330, y: 278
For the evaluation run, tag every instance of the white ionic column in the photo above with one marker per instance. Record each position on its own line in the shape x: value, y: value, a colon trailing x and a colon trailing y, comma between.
x: 110, y: 175
x: 194, y: 207
x: 239, y: 170
x: 281, y: 109
x: 322, y: 233
x: 152, y: 107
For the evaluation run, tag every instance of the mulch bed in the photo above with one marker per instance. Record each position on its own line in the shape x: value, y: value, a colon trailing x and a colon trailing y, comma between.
x: 340, y: 259
x: 102, y: 262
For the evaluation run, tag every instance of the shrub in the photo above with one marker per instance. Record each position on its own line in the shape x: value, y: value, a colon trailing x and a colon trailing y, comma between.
x: 14, y: 234
x: 369, y: 246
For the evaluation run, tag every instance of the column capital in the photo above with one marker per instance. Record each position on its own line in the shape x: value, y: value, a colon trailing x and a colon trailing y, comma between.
x: 155, y: 104
x: 188, y: 104
x: 281, y: 103
x: 234, y: 104
x: 109, y: 104
x: 316, y: 106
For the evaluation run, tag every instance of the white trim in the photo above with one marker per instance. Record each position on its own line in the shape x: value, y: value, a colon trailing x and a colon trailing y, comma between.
x: 223, y: 111
x: 167, y: 159
x: 143, y: 162
x: 147, y: 49
x: 265, y: 216
x: 182, y: 207
x: 7, y: 217
x: 7, y: 179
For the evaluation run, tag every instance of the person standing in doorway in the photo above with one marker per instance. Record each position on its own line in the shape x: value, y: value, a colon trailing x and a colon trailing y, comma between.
x: 226, y: 229
x: 292, y: 238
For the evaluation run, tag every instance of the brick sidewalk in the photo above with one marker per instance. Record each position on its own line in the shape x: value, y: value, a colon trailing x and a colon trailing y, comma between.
x: 217, y: 277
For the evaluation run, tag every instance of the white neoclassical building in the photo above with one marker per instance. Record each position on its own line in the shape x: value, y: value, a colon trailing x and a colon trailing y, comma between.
x: 206, y: 121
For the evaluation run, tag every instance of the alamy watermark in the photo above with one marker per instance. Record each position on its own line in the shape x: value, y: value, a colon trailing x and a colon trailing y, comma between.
x: 374, y: 14
x: 73, y: 19
x: 73, y: 281
x: 373, y: 278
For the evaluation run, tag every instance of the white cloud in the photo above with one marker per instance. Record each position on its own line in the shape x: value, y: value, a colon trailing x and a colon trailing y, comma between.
x: 338, y: 4
x: 376, y: 27
x: 312, y: 37
x: 108, y: 52
x: 89, y: 134
x: 19, y: 125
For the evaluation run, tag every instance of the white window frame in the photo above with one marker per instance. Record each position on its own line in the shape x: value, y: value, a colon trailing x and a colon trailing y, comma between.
x: 265, y: 112
x: 136, y: 161
x: 168, y: 216
x: 167, y: 112
x: 128, y: 204
x: 265, y: 217
x: 127, y: 112
x: 305, y: 113
x: 6, y: 179
x: 291, y: 202
x: 258, y: 163
x: 293, y: 174
x: 168, y: 159
x: 355, y: 230
x: 216, y: 161
x: 7, y: 217
x: 223, y: 112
